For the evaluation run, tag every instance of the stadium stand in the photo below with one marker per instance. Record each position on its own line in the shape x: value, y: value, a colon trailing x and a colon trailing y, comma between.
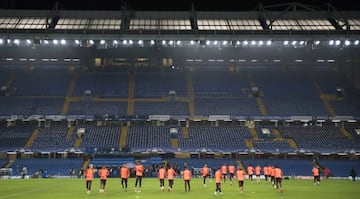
x: 176, y: 87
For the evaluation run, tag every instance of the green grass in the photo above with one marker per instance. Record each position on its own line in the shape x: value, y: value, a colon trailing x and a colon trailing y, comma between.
x: 75, y: 188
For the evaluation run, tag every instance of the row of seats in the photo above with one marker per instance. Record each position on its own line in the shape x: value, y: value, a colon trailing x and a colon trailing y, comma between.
x: 216, y: 91
x: 228, y: 137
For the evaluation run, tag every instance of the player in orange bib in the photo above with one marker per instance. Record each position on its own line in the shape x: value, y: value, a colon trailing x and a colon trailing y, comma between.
x: 218, y: 176
x: 103, y: 173
x: 266, y: 172
x: 187, y: 178
x: 316, y: 175
x: 205, y: 173
x: 161, y: 176
x: 240, y: 175
x: 170, y: 176
x: 89, y: 176
x: 278, y: 178
x: 139, y: 170
x: 250, y: 172
x: 231, y: 173
x: 124, y: 175
x: 257, y: 173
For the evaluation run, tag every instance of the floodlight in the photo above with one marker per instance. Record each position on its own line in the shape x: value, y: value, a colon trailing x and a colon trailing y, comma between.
x: 337, y: 42
x: 331, y: 42
x: 347, y: 42
x: 56, y: 42
x: 245, y: 42
x: 356, y: 42
x: 102, y: 42
x: 63, y: 41
x: 286, y: 43
x: 268, y: 42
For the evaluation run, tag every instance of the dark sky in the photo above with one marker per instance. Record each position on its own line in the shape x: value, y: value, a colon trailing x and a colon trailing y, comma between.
x: 171, y: 5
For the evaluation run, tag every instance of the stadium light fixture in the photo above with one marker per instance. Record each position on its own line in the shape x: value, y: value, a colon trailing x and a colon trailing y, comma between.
x: 268, y: 42
x: 356, y: 42
x: 317, y: 42
x: 56, y: 42
x: 63, y: 42
x: 16, y: 41
x: 102, y: 42
x: 253, y: 42
x: 115, y: 42
x: 294, y: 43
x: 171, y: 42
x: 91, y: 42
x: 337, y: 42
x: 302, y: 43
x: 245, y: 42
x: 215, y: 42
x: 77, y: 42
x: 207, y: 42
x: 131, y: 42
x: 286, y: 43
x: 261, y: 43
x: 192, y: 42
x: 124, y: 42
x: 152, y: 42
x: 224, y: 43
x: 331, y: 42
x: 178, y: 42
x: 28, y: 41
x: 163, y: 42
x: 140, y: 42
x: 1, y: 41
x: 238, y: 42
x: 347, y: 42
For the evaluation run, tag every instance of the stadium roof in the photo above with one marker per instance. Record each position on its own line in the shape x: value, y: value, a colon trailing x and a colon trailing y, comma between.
x: 263, y: 22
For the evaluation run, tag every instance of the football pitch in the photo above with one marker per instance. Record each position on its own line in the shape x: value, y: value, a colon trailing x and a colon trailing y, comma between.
x: 73, y: 188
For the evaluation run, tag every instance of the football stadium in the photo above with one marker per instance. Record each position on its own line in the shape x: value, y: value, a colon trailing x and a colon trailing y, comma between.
x: 117, y: 96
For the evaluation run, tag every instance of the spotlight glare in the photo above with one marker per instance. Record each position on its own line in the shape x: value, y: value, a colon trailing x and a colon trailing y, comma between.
x: 331, y: 42
x: 261, y: 42
x: 215, y: 42
x: 347, y: 42
x: 76, y: 42
x: 124, y: 42
x: 16, y: 41
x: 178, y: 42
x: 245, y: 42
x: 356, y: 42
x: 337, y: 42
x: 55, y: 42
x: 192, y: 42
x: 238, y: 43
x: 293, y: 43
x: 63, y: 41
x: 317, y: 42
x: 46, y: 41
x: 286, y: 43
x: 91, y: 42
x: 171, y: 42
x: 152, y: 42
x: 302, y: 42
x: 253, y: 42
x: 163, y: 42
x: 115, y: 42
x: 1, y: 41
x: 131, y: 42
x: 28, y: 41
x: 102, y: 42
x: 207, y: 42
x: 268, y: 42
x: 225, y: 42
x: 140, y: 42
